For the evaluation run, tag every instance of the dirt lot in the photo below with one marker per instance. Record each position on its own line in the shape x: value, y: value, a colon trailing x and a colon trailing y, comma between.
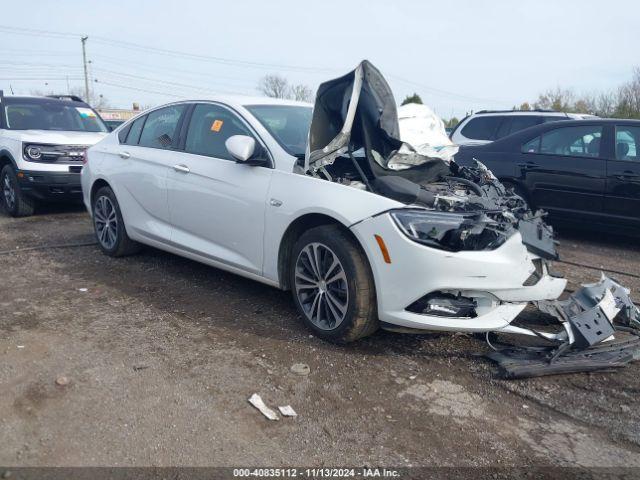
x: 162, y: 353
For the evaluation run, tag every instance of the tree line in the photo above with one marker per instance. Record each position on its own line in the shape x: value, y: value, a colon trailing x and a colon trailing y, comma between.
x: 621, y: 102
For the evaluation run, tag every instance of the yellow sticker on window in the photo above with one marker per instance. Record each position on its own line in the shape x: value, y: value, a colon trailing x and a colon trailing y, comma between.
x: 216, y: 125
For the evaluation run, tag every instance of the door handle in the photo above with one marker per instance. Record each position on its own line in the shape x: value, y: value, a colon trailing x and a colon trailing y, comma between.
x: 626, y: 176
x: 181, y: 168
x: 124, y: 155
x: 528, y: 165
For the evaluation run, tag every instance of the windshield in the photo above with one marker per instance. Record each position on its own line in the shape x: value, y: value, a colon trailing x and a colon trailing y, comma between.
x: 288, y: 124
x: 52, y: 116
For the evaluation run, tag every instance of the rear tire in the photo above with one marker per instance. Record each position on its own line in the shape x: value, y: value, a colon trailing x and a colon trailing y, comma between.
x: 15, y: 203
x: 333, y: 286
x: 109, y: 227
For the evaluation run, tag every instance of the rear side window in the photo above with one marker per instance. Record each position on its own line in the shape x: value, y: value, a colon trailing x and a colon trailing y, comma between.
x: 481, y: 128
x: 515, y: 123
x: 583, y: 141
x: 160, y: 128
x: 209, y: 129
x: 627, y: 143
x: 134, y: 131
x: 532, y: 146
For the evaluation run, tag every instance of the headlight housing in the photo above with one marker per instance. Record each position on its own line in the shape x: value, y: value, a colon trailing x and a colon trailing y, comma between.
x: 32, y: 152
x: 449, y: 230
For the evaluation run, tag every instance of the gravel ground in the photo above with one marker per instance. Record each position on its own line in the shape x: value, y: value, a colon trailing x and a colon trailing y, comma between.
x: 161, y: 355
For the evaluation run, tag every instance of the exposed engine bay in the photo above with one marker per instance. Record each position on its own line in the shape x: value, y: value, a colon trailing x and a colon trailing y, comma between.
x: 354, y: 140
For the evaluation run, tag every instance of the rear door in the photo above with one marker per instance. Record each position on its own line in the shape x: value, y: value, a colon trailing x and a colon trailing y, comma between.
x: 622, y: 197
x: 218, y: 205
x: 564, y: 168
x: 140, y: 170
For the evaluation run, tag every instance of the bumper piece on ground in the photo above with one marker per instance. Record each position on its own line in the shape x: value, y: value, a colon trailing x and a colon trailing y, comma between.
x: 524, y: 362
x: 589, y: 344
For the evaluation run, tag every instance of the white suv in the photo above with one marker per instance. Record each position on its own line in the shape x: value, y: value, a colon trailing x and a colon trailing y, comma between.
x: 42, y: 145
x: 487, y: 126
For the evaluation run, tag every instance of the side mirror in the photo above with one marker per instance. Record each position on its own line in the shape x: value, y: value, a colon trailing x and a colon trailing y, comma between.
x: 241, y: 147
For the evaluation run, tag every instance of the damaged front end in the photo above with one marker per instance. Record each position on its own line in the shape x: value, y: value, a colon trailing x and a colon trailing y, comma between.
x: 354, y: 140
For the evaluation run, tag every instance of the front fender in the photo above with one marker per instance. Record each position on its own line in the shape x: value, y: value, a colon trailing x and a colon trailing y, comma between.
x: 293, y: 195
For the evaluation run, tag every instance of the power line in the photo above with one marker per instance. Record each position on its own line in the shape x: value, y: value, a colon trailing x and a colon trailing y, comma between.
x: 228, y: 61
x: 451, y: 94
x: 32, y: 31
x: 162, y: 51
x: 128, y: 87
x: 97, y: 59
x: 164, y: 82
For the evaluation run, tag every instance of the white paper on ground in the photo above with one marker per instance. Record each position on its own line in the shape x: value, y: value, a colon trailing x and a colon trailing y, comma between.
x: 288, y: 411
x: 257, y: 402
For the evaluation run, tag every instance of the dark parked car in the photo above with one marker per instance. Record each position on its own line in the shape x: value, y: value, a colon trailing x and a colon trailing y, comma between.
x: 583, y: 172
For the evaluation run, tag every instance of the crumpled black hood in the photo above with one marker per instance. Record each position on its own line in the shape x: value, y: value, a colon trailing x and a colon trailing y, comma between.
x: 357, y: 111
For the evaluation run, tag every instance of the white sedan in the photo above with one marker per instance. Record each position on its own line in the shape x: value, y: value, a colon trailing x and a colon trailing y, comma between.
x: 325, y: 202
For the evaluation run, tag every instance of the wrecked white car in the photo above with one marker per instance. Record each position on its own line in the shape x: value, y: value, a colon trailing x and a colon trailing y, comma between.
x: 365, y: 230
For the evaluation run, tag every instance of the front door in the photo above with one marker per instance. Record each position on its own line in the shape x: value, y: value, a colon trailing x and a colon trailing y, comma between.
x: 217, y: 206
x: 622, y: 196
x: 564, y: 169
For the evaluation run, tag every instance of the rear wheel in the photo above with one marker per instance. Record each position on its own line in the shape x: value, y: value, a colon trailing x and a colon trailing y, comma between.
x: 14, y: 201
x: 109, y: 227
x: 333, y: 286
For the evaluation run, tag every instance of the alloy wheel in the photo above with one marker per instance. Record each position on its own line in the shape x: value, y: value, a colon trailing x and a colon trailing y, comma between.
x: 9, y: 192
x: 106, y: 222
x: 321, y: 286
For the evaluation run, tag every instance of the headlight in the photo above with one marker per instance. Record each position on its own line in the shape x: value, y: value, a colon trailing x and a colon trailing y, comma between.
x: 32, y: 152
x: 449, y: 231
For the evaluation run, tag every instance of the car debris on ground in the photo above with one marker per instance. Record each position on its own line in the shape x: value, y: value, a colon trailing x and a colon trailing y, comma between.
x: 355, y: 139
x: 287, y: 411
x: 256, y: 401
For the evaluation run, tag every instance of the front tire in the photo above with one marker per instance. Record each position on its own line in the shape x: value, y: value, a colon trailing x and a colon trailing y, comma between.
x: 13, y: 200
x: 109, y: 226
x: 333, y: 286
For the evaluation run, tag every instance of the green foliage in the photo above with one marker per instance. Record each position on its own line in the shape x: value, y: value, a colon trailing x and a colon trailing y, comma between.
x: 415, y: 98
x: 451, y: 123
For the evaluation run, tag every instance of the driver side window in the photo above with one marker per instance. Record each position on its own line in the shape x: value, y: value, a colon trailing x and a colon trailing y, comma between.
x: 583, y: 141
x: 209, y: 129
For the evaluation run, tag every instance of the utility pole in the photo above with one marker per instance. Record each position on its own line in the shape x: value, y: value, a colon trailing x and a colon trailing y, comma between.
x: 84, y: 63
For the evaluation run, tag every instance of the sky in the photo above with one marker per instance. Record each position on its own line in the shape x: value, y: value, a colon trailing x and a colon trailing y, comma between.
x: 458, y: 56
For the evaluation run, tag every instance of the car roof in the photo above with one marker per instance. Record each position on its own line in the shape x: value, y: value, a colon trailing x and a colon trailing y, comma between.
x: 517, y: 112
x: 247, y: 100
x: 36, y: 99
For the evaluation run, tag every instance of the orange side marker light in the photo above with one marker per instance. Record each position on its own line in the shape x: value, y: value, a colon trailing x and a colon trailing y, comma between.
x: 383, y: 249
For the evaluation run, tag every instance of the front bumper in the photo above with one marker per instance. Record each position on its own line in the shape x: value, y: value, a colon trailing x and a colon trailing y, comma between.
x: 494, y: 278
x: 51, y: 186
